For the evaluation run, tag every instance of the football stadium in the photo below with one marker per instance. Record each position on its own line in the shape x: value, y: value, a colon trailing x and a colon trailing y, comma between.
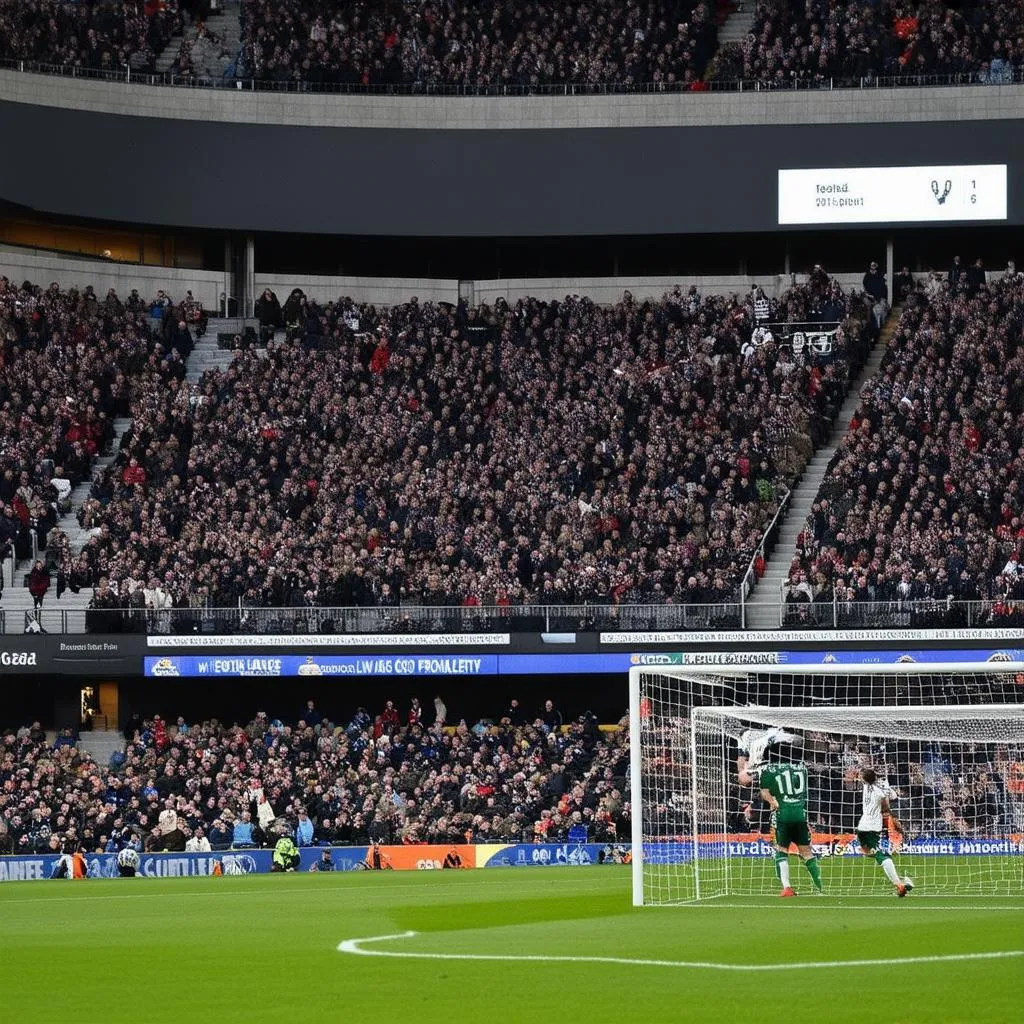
x: 511, y: 508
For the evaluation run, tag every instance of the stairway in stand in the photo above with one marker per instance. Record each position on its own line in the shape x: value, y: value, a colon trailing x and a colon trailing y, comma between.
x: 735, y: 28
x: 17, y: 603
x: 210, y: 60
x: 207, y: 354
x: 764, y: 604
x: 101, y: 743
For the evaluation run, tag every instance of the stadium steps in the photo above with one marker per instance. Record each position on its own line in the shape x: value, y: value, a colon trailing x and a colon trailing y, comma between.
x: 101, y: 744
x: 207, y: 354
x: 763, y: 605
x: 210, y: 60
x: 16, y: 601
x: 736, y: 27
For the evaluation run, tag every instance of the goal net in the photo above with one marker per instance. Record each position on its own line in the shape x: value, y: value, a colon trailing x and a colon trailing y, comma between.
x: 949, y: 746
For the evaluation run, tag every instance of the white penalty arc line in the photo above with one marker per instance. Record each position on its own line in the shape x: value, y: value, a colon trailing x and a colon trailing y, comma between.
x: 355, y: 946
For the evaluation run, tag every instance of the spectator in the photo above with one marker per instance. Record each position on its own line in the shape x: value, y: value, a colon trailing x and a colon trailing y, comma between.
x: 415, y: 716
x: 304, y: 830
x: 875, y: 285
x: 268, y: 311
x: 38, y: 584
x: 440, y: 712
x: 325, y: 863
x: 389, y: 718
x: 198, y: 843
x: 242, y: 832
x: 551, y: 717
x: 956, y: 272
x: 903, y: 285
x: 976, y: 275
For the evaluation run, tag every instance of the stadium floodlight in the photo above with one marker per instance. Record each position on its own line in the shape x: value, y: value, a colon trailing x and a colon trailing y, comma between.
x: 947, y: 741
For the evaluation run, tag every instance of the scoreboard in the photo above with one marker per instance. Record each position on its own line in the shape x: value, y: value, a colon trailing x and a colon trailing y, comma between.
x: 910, y: 195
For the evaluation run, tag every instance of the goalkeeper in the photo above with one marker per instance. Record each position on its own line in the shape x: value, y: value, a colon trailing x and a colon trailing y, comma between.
x: 783, y: 785
x: 877, y: 794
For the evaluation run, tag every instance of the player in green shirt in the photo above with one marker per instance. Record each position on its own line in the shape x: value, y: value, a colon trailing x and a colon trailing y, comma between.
x: 784, y: 788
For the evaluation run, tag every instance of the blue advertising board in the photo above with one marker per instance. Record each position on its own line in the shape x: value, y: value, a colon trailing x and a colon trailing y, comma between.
x: 497, y: 855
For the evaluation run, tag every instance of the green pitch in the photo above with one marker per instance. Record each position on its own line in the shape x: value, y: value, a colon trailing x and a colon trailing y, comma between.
x: 266, y: 948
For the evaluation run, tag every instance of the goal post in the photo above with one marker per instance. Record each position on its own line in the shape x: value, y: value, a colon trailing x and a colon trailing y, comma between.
x: 947, y: 739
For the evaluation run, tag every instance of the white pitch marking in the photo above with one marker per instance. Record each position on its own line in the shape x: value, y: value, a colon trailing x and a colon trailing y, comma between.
x: 355, y: 946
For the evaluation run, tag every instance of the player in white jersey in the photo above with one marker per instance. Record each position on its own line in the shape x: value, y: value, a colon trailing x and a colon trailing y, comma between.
x: 877, y: 794
x: 753, y: 750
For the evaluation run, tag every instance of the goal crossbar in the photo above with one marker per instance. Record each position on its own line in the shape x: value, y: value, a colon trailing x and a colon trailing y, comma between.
x: 924, y: 721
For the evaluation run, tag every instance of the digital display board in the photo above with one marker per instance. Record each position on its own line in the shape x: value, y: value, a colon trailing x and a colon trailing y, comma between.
x: 246, y: 663
x: 872, y: 195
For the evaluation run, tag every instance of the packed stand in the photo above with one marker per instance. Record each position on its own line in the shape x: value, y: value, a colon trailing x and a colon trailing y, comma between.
x: 395, y: 778
x: 923, y: 505
x: 515, y: 44
x: 428, y: 455
x: 71, y: 363
x: 95, y: 34
x: 843, y: 42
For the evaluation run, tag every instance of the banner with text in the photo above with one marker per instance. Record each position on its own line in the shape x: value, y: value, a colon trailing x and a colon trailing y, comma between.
x: 232, y: 664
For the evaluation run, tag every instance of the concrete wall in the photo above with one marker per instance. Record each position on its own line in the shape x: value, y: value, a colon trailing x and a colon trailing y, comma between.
x: 840, y: 106
x: 384, y: 291
x: 604, y: 290
x: 42, y: 268
x: 607, y: 290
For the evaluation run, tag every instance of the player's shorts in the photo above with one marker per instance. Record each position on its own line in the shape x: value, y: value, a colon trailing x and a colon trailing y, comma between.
x: 869, y: 841
x: 787, y: 832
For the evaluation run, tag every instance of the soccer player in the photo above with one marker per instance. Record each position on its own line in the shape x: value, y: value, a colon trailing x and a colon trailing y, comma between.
x: 784, y: 788
x: 869, y: 828
x: 753, y: 744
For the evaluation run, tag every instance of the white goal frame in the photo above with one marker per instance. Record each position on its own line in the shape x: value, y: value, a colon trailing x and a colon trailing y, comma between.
x: 706, y: 675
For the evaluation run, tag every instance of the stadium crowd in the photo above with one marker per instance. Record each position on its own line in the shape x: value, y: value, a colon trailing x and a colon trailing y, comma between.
x: 552, y: 453
x: 845, y: 41
x: 95, y: 34
x: 393, y: 778
x: 924, y: 499
x: 532, y: 44
x: 71, y: 362
x: 525, y: 43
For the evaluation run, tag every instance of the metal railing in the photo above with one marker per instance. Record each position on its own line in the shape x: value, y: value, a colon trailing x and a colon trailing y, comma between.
x: 829, y: 612
x: 826, y: 613
x: 455, y: 620
x: 127, y: 75
x: 397, y: 621
x: 749, y: 580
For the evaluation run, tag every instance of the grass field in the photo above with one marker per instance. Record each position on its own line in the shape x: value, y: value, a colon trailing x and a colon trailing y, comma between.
x: 266, y: 948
